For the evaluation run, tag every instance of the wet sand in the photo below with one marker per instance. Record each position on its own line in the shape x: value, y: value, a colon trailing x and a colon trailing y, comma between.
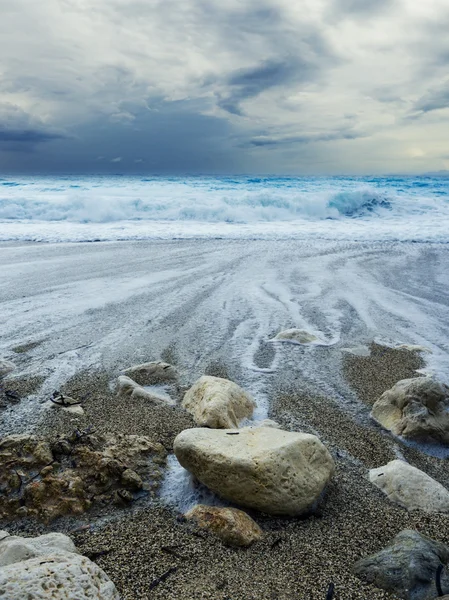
x: 313, y: 389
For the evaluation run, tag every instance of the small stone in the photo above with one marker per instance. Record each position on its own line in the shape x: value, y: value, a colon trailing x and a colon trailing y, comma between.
x: 127, y: 388
x: 234, y: 527
x: 152, y: 373
x: 296, y: 336
x: 123, y: 497
x: 130, y: 479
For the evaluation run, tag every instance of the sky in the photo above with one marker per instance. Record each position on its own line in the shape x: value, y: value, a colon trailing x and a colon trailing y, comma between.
x: 306, y: 87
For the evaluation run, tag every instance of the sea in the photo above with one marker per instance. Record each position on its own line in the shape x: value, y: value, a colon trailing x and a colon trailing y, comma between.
x: 113, y: 208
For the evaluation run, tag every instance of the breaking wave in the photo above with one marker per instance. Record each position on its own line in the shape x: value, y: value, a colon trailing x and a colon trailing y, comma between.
x: 135, y: 207
x: 97, y: 205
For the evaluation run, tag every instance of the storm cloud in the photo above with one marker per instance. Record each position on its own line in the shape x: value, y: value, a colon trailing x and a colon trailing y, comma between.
x: 202, y: 86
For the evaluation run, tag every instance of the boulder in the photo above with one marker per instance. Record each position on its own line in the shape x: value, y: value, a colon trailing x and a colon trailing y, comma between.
x: 296, y: 336
x: 15, y: 549
x: 416, y: 409
x: 6, y: 367
x: 218, y: 403
x: 128, y: 388
x: 407, y: 567
x: 49, y: 566
x: 234, y: 527
x: 152, y: 372
x: 274, y: 471
x: 408, y: 486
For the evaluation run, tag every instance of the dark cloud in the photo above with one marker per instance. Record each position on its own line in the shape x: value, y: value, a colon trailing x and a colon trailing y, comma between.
x: 27, y: 136
x: 307, y: 138
x: 435, y: 99
x: 249, y: 83
x: 172, y: 138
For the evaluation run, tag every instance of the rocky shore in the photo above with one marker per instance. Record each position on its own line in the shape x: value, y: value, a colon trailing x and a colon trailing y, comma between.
x: 95, y: 475
x: 112, y: 354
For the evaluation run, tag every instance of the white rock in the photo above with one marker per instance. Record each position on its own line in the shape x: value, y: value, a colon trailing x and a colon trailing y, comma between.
x: 218, y: 403
x: 6, y: 367
x: 126, y: 387
x: 296, y: 336
x: 416, y: 409
x: 61, y: 576
x: 274, y: 471
x: 67, y: 404
x: 49, y: 566
x: 15, y: 548
x: 152, y: 372
x: 408, y: 486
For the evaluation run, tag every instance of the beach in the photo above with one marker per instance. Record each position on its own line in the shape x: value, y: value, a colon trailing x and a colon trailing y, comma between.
x: 76, y: 315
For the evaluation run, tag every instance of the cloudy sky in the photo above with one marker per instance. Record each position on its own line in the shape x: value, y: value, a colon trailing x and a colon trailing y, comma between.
x: 224, y: 86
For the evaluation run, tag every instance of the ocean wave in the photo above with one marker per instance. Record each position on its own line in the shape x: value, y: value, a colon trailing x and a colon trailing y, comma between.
x: 94, y: 205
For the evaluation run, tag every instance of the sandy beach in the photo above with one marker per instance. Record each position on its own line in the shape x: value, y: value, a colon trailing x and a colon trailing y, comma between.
x: 75, y: 315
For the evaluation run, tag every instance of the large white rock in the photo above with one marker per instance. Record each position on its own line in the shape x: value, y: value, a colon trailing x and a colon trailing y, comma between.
x: 416, y: 409
x: 152, y: 372
x: 274, y: 471
x: 15, y: 548
x: 408, y: 486
x: 218, y: 403
x: 6, y: 367
x: 49, y: 567
x: 62, y: 576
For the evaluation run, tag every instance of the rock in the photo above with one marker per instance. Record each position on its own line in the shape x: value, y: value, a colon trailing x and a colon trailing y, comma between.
x: 65, y: 403
x: 296, y: 336
x: 152, y: 372
x: 130, y: 479
x: 126, y: 387
x: 14, y: 549
x: 67, y: 477
x: 218, y: 403
x: 60, y: 576
x: 271, y: 470
x: 407, y: 567
x: 234, y: 527
x: 6, y: 367
x: 417, y: 409
x: 408, y: 486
